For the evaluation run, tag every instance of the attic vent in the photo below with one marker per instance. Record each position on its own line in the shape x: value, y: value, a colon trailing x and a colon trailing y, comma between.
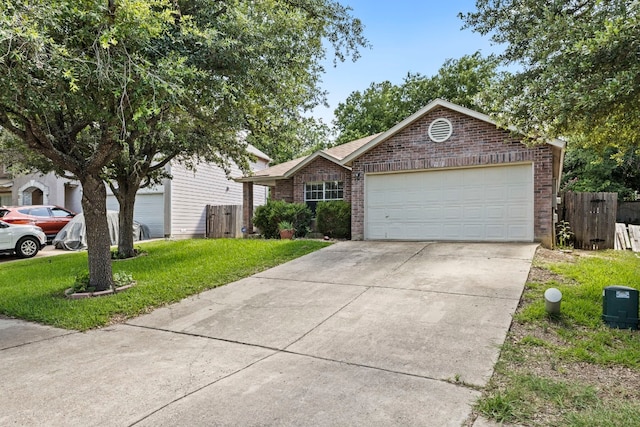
x: 440, y: 130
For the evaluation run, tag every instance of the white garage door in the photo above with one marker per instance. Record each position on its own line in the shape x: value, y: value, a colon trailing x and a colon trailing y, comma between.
x: 478, y: 204
x: 149, y: 210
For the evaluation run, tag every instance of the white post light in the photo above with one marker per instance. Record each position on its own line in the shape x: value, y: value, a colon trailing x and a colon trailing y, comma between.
x: 552, y: 299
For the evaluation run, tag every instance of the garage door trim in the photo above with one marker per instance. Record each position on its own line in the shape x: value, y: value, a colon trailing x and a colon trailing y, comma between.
x: 484, y: 203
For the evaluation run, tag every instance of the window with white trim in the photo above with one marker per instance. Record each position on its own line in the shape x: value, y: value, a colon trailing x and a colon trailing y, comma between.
x: 315, y: 192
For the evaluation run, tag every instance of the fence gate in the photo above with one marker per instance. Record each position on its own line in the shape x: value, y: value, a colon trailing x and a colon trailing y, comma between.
x: 592, y: 218
x: 224, y: 221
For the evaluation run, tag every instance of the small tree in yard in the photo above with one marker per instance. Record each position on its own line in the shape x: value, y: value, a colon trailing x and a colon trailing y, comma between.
x: 95, y: 84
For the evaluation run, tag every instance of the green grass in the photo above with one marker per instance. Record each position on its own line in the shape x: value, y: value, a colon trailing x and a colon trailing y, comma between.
x: 34, y: 289
x: 582, y: 301
x: 526, y: 395
x: 580, y: 321
x: 535, y: 382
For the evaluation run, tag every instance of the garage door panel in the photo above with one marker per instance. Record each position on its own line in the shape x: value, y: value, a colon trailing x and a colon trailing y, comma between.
x: 520, y: 231
x: 496, y: 213
x: 414, y: 214
x: 495, y: 232
x: 452, y: 195
x: 494, y: 193
x: 492, y: 204
x: 517, y: 213
x: 148, y: 209
x: 470, y: 232
x: 473, y: 213
x: 433, y: 213
x: 473, y: 192
x: 452, y: 212
x: 431, y: 195
x: 450, y: 232
x: 376, y: 215
x: 515, y: 194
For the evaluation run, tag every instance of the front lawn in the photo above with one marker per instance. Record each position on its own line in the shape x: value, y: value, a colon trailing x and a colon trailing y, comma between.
x: 170, y: 271
x: 570, y: 370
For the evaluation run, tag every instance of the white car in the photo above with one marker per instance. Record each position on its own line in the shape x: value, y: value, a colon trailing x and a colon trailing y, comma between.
x: 23, y: 240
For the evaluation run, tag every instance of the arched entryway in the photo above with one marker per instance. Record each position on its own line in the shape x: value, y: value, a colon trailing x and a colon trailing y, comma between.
x: 33, y: 193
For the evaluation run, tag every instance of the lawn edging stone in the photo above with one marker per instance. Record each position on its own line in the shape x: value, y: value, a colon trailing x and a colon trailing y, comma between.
x: 81, y: 295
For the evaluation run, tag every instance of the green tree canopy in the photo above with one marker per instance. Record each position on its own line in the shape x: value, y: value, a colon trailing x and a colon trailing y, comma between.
x: 84, y: 81
x: 611, y: 170
x: 384, y: 104
x: 579, y: 69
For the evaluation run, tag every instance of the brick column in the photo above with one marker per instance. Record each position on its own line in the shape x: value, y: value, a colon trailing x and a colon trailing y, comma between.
x: 247, y: 207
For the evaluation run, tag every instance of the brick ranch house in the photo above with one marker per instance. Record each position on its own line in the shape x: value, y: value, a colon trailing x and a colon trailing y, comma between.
x: 445, y: 173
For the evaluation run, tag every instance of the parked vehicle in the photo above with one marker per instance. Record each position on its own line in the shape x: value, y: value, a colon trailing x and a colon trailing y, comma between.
x: 23, y: 240
x: 50, y: 218
x: 73, y: 237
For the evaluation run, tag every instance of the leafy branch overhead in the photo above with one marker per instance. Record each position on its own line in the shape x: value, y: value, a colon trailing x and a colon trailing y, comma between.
x: 578, y: 67
x: 96, y: 84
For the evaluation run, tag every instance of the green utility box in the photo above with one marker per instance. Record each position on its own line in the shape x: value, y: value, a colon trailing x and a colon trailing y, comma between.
x: 620, y: 307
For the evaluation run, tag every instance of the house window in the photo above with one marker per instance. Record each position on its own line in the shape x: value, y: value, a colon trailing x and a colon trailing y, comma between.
x: 315, y: 192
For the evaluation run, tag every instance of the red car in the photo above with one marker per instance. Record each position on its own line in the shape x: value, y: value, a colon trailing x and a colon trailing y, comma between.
x: 50, y: 218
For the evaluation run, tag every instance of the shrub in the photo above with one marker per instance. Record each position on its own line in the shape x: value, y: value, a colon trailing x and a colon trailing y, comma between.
x: 333, y: 218
x: 81, y: 281
x: 267, y: 217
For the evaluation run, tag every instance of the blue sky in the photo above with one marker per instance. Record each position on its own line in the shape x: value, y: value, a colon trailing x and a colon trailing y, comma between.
x: 406, y: 36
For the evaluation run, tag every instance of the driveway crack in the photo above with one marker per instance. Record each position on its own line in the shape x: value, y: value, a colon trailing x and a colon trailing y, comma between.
x: 237, y: 371
x: 327, y: 318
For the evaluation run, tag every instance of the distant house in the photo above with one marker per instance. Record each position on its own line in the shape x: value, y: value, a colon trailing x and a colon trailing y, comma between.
x: 175, y: 208
x: 444, y: 173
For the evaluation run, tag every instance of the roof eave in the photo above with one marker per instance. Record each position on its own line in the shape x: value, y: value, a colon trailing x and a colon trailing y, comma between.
x: 269, y: 181
x: 310, y: 159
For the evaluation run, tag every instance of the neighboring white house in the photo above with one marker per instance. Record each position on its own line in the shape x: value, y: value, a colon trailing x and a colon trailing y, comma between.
x: 174, y: 209
x: 39, y: 189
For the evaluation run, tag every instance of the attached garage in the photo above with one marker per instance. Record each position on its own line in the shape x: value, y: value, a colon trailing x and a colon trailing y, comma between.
x: 450, y: 173
x: 475, y: 204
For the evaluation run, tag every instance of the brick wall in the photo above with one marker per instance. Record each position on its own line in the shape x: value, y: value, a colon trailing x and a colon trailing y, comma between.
x: 321, y: 170
x: 283, y: 190
x: 473, y: 143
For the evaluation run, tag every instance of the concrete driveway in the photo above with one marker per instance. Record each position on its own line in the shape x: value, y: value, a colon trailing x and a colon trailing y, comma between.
x: 359, y: 333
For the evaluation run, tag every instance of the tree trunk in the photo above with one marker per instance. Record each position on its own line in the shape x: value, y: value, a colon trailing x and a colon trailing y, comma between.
x: 94, y: 207
x: 126, y: 199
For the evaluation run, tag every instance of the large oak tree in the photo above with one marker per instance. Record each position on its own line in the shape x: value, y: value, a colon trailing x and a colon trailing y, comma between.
x: 382, y: 105
x: 96, y: 85
x: 577, y: 67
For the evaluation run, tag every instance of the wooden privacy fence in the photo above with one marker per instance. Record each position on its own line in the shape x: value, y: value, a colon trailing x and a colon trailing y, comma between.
x: 629, y: 212
x: 592, y: 218
x: 224, y: 221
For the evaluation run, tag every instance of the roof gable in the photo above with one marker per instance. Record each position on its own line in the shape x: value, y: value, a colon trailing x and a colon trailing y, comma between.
x: 287, y: 169
x: 378, y: 139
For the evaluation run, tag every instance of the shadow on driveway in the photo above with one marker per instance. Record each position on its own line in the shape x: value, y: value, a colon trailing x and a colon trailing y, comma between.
x: 358, y: 333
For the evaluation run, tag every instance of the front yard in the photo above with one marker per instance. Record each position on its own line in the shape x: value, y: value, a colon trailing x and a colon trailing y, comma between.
x: 572, y: 370
x: 170, y: 271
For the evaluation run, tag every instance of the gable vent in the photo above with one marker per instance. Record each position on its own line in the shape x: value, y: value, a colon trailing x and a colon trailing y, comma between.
x: 440, y: 130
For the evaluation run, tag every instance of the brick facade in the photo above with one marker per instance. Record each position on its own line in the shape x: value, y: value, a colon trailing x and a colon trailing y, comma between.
x: 283, y: 190
x: 319, y: 170
x: 473, y: 143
